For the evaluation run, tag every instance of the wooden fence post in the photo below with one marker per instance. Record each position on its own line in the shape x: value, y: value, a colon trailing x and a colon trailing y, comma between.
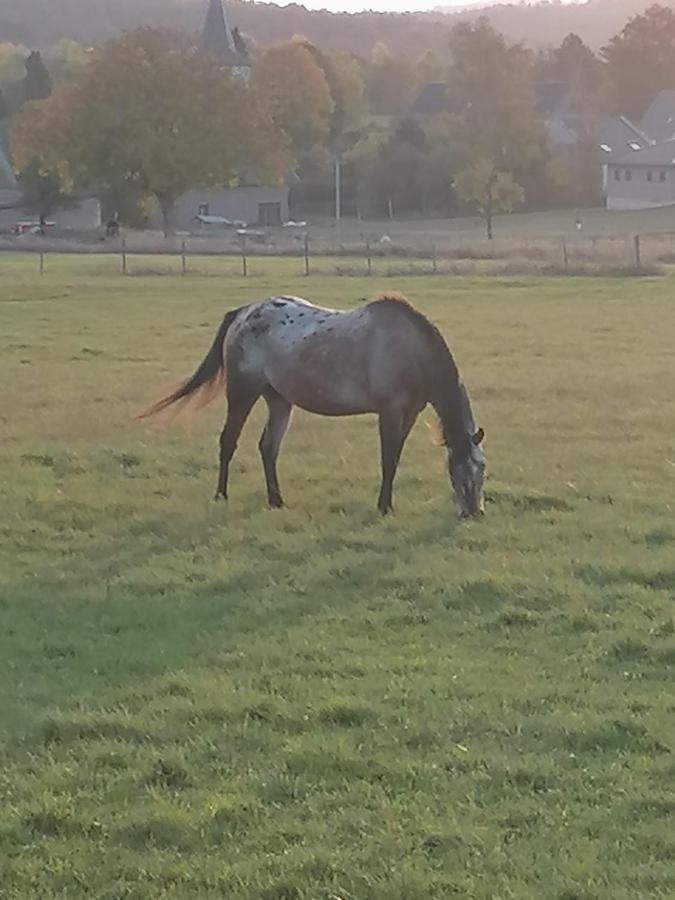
x: 566, y: 262
x: 124, y: 256
x: 183, y: 260
x: 637, y: 252
x: 42, y: 262
x: 244, y: 264
x: 306, y: 245
x: 369, y: 257
x: 434, y: 259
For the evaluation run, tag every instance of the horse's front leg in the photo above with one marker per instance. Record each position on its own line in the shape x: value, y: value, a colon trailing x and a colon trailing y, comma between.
x: 394, y: 429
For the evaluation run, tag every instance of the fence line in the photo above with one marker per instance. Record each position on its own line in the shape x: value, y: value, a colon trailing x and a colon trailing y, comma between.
x: 638, y: 254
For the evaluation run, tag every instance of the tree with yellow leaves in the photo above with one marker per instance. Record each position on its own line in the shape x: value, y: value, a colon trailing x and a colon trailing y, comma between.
x: 296, y: 93
x: 151, y: 111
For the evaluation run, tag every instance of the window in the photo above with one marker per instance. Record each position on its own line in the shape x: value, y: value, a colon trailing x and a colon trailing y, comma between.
x: 662, y: 176
x: 628, y: 175
x: 617, y: 175
x: 606, y: 148
x: 203, y: 209
x: 633, y: 145
x: 649, y: 174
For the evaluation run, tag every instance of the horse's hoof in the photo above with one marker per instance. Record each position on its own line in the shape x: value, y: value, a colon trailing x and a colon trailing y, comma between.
x: 219, y: 496
x: 275, y: 503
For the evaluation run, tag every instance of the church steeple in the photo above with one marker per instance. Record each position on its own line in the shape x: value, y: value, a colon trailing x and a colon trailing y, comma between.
x: 219, y: 39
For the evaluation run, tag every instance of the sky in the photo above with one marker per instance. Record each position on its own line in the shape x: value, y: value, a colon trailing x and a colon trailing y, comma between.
x: 379, y: 5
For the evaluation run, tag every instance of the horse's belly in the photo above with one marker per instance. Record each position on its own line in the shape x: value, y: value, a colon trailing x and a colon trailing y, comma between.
x: 320, y: 381
x: 322, y: 396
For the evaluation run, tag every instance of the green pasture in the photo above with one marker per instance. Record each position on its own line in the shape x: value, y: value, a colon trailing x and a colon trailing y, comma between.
x: 219, y: 701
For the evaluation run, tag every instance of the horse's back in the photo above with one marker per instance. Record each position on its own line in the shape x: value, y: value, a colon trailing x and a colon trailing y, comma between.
x: 330, y: 361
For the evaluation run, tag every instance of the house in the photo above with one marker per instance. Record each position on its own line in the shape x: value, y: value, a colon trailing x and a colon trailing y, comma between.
x: 617, y: 138
x: 659, y: 120
x: 640, y: 162
x: 265, y: 205
x: 644, y: 178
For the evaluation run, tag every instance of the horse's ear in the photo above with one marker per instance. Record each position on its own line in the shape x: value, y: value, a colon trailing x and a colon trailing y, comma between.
x: 478, y: 436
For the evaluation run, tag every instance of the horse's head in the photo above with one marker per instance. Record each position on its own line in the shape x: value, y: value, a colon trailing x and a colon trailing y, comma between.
x: 467, y: 474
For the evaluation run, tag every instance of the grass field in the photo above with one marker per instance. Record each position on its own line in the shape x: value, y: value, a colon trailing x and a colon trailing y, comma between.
x: 205, y: 701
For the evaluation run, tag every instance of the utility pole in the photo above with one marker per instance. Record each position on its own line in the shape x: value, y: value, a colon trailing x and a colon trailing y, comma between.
x: 338, y: 200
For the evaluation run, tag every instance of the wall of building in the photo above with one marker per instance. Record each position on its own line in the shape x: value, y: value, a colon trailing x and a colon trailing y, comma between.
x: 639, y: 192
x: 236, y: 204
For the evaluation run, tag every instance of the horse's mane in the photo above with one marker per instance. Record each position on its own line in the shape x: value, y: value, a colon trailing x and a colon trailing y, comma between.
x: 400, y: 302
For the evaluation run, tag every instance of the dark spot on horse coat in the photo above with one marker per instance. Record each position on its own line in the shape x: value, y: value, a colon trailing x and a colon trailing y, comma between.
x: 278, y: 303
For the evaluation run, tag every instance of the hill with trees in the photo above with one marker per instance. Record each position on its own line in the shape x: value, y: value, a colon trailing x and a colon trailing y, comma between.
x: 41, y: 23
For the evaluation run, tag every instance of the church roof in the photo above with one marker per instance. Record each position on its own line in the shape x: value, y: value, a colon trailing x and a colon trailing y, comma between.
x: 218, y: 38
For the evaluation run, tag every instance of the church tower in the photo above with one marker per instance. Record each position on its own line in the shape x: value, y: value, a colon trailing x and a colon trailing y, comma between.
x: 224, y: 42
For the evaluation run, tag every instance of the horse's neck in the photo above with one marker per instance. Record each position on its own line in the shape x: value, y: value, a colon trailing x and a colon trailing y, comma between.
x: 454, y: 410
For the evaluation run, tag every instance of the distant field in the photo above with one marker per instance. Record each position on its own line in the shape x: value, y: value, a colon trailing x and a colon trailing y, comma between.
x: 204, y: 701
x: 600, y: 228
x: 556, y: 223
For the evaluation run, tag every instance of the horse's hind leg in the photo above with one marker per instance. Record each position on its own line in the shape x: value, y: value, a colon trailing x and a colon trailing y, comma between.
x: 239, y: 405
x: 270, y: 442
x: 395, y: 426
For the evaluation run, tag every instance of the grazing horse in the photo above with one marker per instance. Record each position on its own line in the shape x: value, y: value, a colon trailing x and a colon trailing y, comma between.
x: 384, y: 357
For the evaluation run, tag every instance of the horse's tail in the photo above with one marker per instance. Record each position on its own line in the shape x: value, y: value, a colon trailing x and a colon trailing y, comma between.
x: 208, y: 377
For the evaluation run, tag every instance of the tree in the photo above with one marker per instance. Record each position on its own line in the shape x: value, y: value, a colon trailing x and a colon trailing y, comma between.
x: 67, y: 59
x: 492, y: 101
x: 641, y: 60
x: 12, y: 62
x: 430, y: 67
x: 391, y: 82
x: 488, y: 190
x: 37, y: 84
x: 43, y: 190
x: 348, y: 90
x: 293, y: 88
x: 151, y: 112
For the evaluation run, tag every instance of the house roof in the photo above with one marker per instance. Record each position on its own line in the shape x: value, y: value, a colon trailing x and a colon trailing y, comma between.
x: 217, y: 37
x: 618, y: 138
x: 656, y: 155
x: 432, y: 99
x: 659, y: 120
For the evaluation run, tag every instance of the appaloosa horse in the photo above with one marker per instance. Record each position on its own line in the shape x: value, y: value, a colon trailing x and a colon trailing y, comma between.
x: 384, y: 357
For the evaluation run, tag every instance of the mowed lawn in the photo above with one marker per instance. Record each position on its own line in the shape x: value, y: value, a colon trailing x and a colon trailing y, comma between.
x: 209, y: 701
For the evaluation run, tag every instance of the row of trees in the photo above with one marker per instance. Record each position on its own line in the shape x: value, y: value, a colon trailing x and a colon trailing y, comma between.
x: 148, y: 115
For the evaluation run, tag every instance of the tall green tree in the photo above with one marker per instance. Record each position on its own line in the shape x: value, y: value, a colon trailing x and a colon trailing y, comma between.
x: 293, y: 88
x: 392, y: 82
x: 641, y: 60
x: 492, y: 101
